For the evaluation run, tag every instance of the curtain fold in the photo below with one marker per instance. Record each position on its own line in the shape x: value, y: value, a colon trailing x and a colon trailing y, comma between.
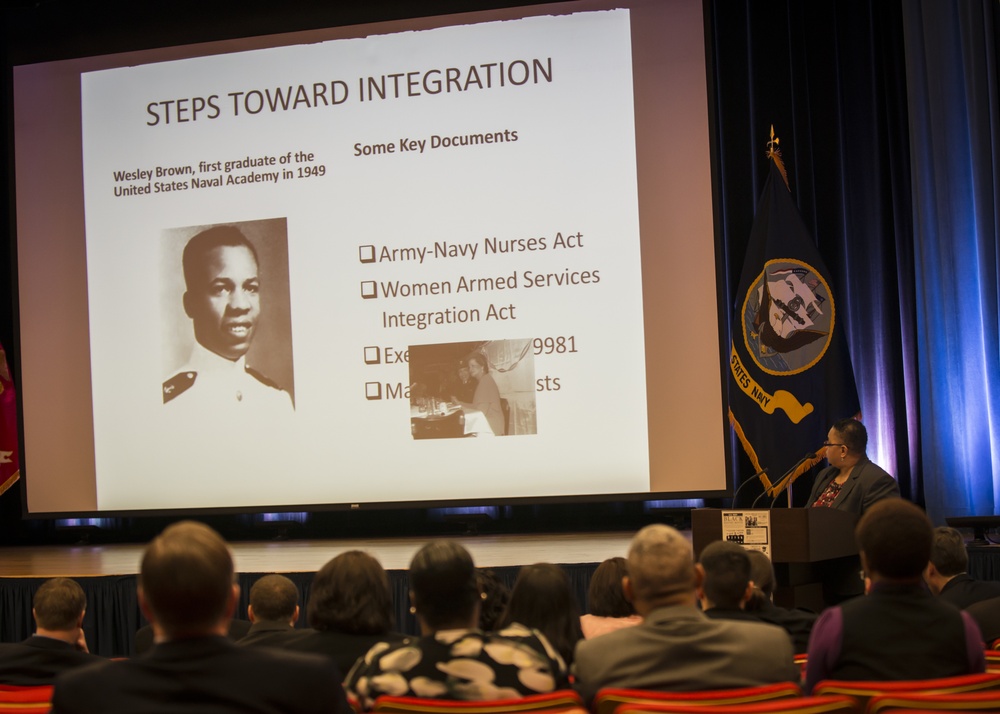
x: 955, y: 156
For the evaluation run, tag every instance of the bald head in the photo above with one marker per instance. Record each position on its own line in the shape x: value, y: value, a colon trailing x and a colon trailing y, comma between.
x: 660, y: 568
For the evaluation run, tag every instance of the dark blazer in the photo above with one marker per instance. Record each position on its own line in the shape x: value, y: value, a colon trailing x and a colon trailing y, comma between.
x: 797, y: 623
x: 964, y: 590
x: 271, y: 634
x: 38, y: 660
x: 343, y: 648
x: 144, y: 635
x: 207, y: 675
x: 867, y: 484
x: 986, y: 613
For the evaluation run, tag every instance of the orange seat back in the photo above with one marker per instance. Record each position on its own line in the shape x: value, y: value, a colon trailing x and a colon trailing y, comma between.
x: 865, y: 690
x: 794, y: 705
x: 974, y: 701
x: 560, y: 701
x: 608, y: 700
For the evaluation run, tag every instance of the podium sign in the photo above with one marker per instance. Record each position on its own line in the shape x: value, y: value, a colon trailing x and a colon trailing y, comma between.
x: 750, y: 528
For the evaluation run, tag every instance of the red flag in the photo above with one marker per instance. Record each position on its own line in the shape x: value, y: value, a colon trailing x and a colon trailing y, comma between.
x: 9, y: 468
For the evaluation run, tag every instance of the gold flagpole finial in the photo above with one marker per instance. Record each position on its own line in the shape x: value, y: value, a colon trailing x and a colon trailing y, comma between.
x: 774, y: 153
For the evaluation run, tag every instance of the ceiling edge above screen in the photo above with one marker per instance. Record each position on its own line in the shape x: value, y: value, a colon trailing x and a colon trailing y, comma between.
x: 499, y: 193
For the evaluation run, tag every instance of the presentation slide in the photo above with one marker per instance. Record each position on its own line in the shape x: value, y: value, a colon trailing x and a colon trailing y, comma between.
x: 438, y: 264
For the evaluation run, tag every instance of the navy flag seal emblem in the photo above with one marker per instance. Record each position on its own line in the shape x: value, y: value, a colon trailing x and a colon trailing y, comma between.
x: 788, y: 317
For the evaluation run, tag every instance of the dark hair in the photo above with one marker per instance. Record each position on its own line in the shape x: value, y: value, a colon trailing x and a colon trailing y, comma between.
x: 605, y: 594
x: 186, y: 578
x: 274, y: 597
x: 762, y: 575
x: 351, y: 594
x: 201, y: 244
x: 443, y: 583
x: 481, y: 360
x: 895, y: 538
x: 543, y: 599
x: 496, y: 595
x: 853, y: 434
x: 58, y: 604
x: 761, y: 572
x: 948, y: 552
x: 727, y: 573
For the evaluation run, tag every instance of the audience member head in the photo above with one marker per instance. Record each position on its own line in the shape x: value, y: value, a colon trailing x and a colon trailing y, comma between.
x: 726, y: 580
x: 762, y: 576
x: 605, y: 594
x: 894, y: 537
x: 660, y: 569
x: 948, y: 553
x: 186, y: 582
x: 274, y: 598
x: 58, y: 606
x: 496, y: 595
x: 948, y: 558
x: 351, y: 594
x: 443, y: 587
x: 543, y: 599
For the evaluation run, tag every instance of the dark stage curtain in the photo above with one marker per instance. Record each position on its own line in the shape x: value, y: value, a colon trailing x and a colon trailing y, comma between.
x: 952, y: 71
x: 887, y: 115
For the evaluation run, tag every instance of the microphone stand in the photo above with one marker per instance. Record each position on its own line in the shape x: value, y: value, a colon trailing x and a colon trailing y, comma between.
x: 758, y: 475
x: 779, y: 486
x: 789, y: 478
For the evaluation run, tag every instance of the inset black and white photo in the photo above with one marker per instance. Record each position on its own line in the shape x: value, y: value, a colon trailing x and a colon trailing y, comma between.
x: 225, y: 299
x: 472, y: 389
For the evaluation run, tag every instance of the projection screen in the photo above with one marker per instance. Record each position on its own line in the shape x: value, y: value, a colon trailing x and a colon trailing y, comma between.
x: 459, y: 259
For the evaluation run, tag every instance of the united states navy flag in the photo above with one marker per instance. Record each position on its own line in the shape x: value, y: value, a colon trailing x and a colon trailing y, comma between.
x: 791, y: 372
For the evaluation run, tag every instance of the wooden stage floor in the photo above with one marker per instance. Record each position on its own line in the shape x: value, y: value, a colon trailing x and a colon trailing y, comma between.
x: 308, y: 556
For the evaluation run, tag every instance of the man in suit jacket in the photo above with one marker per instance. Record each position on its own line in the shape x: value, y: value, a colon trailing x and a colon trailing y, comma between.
x: 945, y: 573
x: 728, y: 593
x: 273, y: 610
x: 187, y: 592
x: 986, y: 613
x: 58, y: 644
x: 676, y: 647
x: 144, y: 642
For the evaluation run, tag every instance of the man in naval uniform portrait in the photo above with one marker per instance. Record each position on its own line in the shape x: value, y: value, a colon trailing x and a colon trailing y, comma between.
x: 223, y: 299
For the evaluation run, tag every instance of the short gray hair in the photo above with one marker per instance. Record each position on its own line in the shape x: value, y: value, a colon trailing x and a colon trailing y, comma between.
x: 660, y: 563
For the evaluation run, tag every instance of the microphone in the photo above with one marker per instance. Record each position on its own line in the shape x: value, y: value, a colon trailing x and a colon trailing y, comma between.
x: 790, y: 476
x: 758, y: 475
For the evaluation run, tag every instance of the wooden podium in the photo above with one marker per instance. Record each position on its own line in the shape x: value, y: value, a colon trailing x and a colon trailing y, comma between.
x: 808, y: 546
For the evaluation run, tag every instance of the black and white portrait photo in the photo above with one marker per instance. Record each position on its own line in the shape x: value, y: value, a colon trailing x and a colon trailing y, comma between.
x: 227, y: 321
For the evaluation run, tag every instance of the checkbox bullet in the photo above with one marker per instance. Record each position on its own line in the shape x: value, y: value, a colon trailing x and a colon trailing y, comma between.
x: 367, y: 253
x: 373, y: 390
x: 372, y: 355
x: 368, y: 289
